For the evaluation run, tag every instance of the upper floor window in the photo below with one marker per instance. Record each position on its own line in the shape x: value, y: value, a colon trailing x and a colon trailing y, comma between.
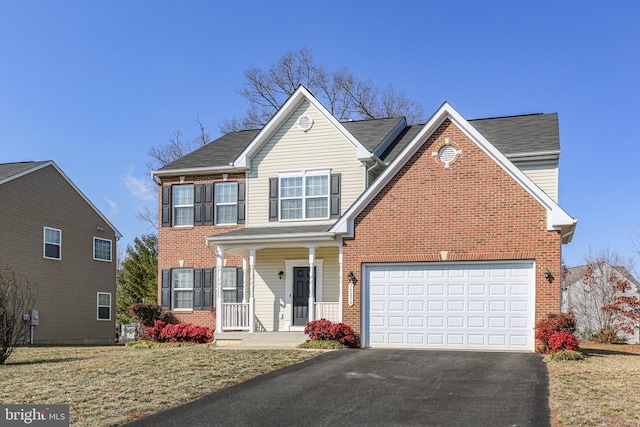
x: 226, y: 202
x: 101, y: 249
x: 52, y: 243
x: 183, y: 204
x: 304, y: 195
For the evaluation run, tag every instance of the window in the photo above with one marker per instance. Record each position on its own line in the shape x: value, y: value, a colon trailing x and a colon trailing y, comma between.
x: 52, y: 243
x: 101, y: 249
x: 230, y: 285
x: 226, y: 203
x: 183, y: 205
x: 104, y: 306
x: 182, y: 281
x: 304, y: 196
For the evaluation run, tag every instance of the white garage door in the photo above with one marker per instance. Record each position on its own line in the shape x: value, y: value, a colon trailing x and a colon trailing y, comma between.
x: 488, y: 306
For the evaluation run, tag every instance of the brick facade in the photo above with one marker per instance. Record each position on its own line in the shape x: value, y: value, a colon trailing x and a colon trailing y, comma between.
x: 473, y: 210
x: 187, y: 244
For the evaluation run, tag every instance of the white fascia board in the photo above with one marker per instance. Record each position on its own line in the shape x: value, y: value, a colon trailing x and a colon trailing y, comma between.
x: 557, y: 218
x: 300, y: 94
x: 270, y: 238
x: 196, y: 171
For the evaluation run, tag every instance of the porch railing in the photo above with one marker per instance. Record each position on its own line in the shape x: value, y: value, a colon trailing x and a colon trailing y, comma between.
x: 328, y: 310
x: 235, y: 316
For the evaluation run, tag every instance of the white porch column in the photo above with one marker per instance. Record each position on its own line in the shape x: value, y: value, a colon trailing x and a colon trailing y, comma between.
x: 245, y: 279
x: 252, y: 281
x: 312, y: 279
x: 341, y: 280
x: 219, y: 314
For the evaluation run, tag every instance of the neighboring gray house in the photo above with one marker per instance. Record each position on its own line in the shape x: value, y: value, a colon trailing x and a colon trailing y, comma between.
x: 53, y: 235
x: 586, y: 302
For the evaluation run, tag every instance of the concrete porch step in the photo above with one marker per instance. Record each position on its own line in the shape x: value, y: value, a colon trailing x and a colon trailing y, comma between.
x: 256, y: 340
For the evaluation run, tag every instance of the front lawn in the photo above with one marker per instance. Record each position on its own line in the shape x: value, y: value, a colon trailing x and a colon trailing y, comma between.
x: 601, y: 390
x: 110, y: 385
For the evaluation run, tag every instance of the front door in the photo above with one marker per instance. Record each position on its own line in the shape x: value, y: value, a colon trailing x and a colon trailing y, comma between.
x: 301, y: 295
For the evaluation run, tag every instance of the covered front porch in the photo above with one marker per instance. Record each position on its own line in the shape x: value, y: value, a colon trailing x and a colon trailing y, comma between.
x: 290, y: 276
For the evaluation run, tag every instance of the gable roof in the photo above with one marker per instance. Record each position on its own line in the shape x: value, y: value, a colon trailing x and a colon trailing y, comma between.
x: 372, y: 132
x: 575, y: 274
x: 557, y: 218
x: 12, y: 171
x: 300, y: 95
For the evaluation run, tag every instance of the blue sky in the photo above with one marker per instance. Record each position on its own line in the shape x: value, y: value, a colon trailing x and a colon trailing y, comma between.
x: 93, y: 85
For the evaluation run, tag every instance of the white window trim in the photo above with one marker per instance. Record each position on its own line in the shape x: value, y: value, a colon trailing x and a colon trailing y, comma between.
x: 45, y: 243
x: 173, y: 289
x: 101, y: 306
x: 110, y: 249
x: 216, y: 204
x: 304, y: 174
x: 174, y: 206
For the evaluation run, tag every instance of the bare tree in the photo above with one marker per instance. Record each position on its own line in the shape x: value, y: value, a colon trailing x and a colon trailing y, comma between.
x: 17, y: 296
x: 603, y: 298
x: 345, y: 96
x: 162, y: 155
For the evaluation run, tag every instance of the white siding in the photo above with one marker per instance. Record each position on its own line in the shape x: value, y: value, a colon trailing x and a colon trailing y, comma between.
x: 544, y: 174
x: 270, y: 289
x: 290, y: 150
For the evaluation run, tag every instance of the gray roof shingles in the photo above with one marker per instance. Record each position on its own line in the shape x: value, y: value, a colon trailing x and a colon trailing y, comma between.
x: 9, y: 169
x: 513, y: 135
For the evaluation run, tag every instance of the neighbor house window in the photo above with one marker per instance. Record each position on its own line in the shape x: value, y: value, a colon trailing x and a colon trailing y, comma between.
x: 182, y: 205
x: 101, y: 249
x: 104, y: 306
x: 182, y: 284
x: 52, y: 243
x: 229, y: 285
x: 226, y: 202
x: 304, y: 195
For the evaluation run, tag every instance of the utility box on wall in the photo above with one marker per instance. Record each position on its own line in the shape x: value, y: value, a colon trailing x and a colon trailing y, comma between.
x: 35, y: 317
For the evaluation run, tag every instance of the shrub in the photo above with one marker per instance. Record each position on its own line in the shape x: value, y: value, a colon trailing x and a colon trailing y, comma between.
x: 564, y: 355
x: 325, y: 330
x: 555, y: 322
x: 319, y: 330
x: 562, y: 341
x: 182, y: 332
x: 606, y: 336
x: 146, y: 314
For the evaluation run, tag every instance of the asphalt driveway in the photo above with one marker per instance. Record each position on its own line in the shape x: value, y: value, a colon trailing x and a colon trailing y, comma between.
x: 380, y: 387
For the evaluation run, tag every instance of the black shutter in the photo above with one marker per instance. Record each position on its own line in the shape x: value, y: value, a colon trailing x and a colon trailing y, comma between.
x: 197, y: 204
x: 197, y: 289
x: 165, y: 298
x: 273, y: 199
x: 239, y: 284
x: 241, y: 203
x: 207, y: 205
x: 335, y: 196
x: 166, y: 206
x: 207, y: 288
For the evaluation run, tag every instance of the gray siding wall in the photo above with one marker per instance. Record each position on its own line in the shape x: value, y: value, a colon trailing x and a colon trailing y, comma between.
x: 67, y: 288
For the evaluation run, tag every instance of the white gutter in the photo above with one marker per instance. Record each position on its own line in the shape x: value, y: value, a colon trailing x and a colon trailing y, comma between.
x: 270, y: 238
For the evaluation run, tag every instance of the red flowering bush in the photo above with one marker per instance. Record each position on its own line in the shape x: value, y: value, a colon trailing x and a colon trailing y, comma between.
x: 554, y: 323
x: 563, y: 341
x: 325, y: 330
x: 182, y: 332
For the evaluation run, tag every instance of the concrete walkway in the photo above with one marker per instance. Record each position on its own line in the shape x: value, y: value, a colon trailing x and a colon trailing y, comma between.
x: 259, y: 340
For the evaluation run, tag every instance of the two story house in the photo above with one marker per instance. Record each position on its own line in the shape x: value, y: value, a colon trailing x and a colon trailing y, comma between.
x: 441, y: 235
x: 55, y: 237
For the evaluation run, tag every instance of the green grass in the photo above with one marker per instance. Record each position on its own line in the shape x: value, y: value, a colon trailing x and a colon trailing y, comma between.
x: 601, y: 390
x: 107, y: 386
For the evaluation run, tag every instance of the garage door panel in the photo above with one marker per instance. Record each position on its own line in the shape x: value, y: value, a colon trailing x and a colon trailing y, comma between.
x: 455, y: 305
